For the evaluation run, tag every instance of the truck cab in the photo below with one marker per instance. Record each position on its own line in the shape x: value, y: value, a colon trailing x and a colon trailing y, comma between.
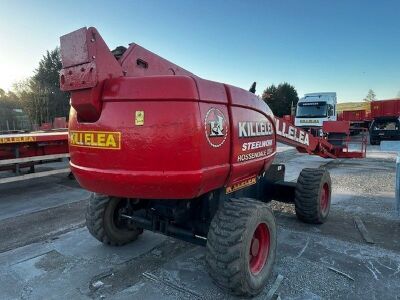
x: 315, y: 108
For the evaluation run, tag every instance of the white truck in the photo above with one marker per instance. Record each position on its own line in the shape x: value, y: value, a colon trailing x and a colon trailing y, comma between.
x: 315, y: 108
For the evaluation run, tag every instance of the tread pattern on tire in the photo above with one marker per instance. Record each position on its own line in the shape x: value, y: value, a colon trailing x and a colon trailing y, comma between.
x: 95, y: 222
x: 224, y: 247
x: 307, y: 194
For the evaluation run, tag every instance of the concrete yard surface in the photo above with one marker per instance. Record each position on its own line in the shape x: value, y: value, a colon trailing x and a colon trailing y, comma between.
x: 46, y: 251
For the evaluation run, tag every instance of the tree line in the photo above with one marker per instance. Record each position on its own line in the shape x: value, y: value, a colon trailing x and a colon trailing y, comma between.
x: 38, y: 98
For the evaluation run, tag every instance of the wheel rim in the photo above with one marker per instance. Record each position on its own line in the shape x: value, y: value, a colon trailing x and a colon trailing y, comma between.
x: 118, y: 222
x: 259, y: 248
x: 324, y: 200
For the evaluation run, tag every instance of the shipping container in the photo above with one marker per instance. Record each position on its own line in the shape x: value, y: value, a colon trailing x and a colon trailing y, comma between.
x: 385, y: 108
x: 354, y: 115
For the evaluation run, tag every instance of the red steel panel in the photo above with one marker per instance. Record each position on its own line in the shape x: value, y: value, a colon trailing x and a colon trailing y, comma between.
x: 74, y: 48
x: 385, y: 108
x: 336, y: 127
x: 253, y: 143
x: 167, y: 157
x: 60, y: 122
x: 241, y: 97
x: 87, y: 62
x: 288, y: 118
x: 161, y: 88
x: 354, y: 115
x: 138, y: 61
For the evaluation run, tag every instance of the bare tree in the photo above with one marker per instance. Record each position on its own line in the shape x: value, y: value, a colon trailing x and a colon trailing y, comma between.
x: 370, y: 96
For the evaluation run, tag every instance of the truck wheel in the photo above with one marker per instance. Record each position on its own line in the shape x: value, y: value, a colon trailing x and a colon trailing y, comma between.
x: 241, y: 246
x: 313, y: 195
x: 375, y: 142
x: 104, y: 223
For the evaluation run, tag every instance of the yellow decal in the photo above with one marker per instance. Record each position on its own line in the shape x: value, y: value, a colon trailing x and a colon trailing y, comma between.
x: 309, y: 121
x: 95, y: 139
x: 241, y: 185
x: 17, y: 139
x: 139, y: 117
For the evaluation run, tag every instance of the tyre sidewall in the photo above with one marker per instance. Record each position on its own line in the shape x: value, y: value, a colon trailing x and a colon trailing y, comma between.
x: 324, y: 179
x: 119, y: 235
x: 257, y: 282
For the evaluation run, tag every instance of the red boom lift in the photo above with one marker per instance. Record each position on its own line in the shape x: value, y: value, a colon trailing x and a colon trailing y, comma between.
x: 165, y: 150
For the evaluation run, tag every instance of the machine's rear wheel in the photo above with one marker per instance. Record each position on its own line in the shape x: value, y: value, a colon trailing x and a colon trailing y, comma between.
x: 313, y: 195
x: 105, y: 224
x: 241, y: 246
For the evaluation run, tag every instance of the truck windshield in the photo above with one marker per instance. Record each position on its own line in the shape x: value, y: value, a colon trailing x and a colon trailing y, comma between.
x: 311, y: 109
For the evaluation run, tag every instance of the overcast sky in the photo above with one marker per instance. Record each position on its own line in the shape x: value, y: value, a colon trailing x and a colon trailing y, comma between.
x: 343, y: 46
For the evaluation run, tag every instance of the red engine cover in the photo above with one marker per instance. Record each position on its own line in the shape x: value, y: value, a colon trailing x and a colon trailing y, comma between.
x: 171, y: 137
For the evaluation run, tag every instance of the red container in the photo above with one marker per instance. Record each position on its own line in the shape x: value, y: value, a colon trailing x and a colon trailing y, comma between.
x: 354, y: 115
x: 385, y: 108
x: 336, y: 127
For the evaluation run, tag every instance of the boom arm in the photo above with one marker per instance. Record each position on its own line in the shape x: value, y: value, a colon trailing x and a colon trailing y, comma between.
x: 305, y: 142
x: 87, y: 62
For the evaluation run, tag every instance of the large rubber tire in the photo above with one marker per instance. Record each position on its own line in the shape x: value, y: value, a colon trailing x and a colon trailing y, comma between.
x: 101, y: 221
x: 313, y: 195
x: 237, y: 228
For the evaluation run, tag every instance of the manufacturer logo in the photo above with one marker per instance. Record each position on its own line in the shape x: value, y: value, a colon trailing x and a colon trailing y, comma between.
x: 95, y: 139
x: 215, y: 127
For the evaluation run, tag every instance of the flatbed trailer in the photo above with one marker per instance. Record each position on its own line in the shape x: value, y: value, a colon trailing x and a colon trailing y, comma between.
x: 25, y: 150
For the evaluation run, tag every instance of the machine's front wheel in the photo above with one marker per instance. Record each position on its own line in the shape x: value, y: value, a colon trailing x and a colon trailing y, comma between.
x: 104, y: 222
x: 313, y: 195
x: 241, y: 246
